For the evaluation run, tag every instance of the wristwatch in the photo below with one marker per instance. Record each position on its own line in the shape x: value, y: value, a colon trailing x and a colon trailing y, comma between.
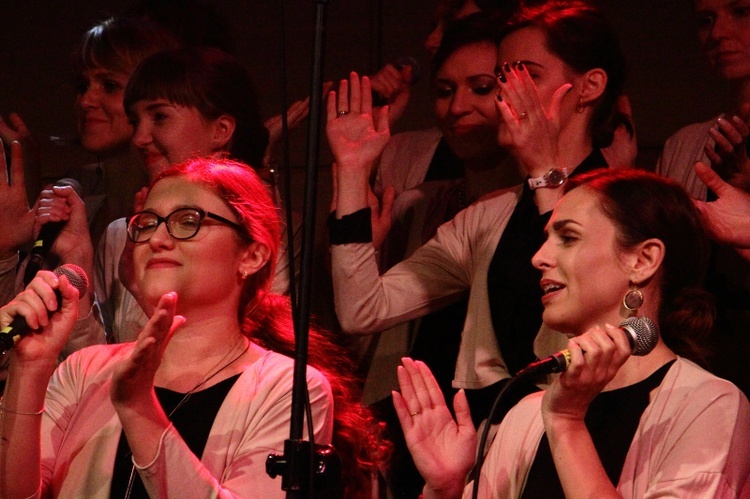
x: 553, y: 178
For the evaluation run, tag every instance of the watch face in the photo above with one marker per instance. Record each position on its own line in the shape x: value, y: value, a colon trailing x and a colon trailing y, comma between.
x: 555, y: 178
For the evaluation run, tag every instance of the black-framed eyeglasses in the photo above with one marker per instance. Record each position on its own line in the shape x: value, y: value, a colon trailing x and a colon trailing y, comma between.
x: 182, y: 223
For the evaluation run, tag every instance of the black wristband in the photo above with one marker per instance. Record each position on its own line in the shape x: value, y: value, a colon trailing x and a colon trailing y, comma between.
x: 353, y: 228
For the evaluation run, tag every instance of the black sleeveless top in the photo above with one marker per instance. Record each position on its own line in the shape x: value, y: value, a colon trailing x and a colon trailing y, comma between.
x: 192, y: 420
x: 612, y: 420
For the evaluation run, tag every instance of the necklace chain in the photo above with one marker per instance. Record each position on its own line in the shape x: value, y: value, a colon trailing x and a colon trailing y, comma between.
x: 182, y: 402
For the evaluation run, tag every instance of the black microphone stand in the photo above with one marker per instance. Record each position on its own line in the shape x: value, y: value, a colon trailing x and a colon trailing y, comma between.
x: 301, y: 466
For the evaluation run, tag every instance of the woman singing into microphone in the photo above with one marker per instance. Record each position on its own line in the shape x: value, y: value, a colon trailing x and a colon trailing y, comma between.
x: 196, y: 404
x: 619, y: 243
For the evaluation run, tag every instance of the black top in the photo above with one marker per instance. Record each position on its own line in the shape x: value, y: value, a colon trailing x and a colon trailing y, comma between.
x: 612, y: 420
x: 192, y: 420
x: 515, y: 297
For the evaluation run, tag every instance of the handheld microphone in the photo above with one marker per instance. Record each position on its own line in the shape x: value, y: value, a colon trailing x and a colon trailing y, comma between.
x: 380, y: 101
x: 47, y: 236
x: 642, y: 334
x: 18, y: 328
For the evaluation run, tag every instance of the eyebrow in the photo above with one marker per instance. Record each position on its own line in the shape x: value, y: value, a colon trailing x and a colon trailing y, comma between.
x: 470, y: 78
x: 557, y: 225
x: 530, y: 63
x: 158, y: 104
x: 499, y: 67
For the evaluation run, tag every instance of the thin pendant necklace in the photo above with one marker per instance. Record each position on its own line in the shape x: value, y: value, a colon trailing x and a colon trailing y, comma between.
x: 182, y: 402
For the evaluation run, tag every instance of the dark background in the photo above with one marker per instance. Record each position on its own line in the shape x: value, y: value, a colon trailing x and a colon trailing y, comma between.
x: 669, y: 84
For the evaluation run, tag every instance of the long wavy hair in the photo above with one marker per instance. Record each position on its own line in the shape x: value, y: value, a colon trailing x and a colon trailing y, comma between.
x: 267, y: 318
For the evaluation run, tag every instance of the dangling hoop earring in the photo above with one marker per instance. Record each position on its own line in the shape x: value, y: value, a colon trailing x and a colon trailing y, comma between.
x: 580, y: 105
x: 633, y: 299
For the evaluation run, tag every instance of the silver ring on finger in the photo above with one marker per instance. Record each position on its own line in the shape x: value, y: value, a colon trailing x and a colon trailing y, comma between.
x: 343, y: 113
x: 522, y: 116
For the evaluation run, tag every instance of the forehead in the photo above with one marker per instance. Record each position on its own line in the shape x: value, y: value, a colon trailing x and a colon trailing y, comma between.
x: 712, y: 5
x: 144, y: 105
x: 100, y: 73
x: 525, y: 44
x: 582, y: 206
x: 470, y: 59
x: 174, y: 192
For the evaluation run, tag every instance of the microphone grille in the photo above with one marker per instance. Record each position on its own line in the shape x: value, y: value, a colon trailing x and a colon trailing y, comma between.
x: 75, y: 275
x: 644, y: 332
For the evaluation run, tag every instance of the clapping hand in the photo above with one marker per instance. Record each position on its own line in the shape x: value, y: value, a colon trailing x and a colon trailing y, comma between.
x: 133, y: 380
x: 727, y: 148
x: 727, y: 219
x: 444, y: 450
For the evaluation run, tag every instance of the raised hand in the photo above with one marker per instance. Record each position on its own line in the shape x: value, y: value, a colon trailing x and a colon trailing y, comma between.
x: 444, y: 450
x: 528, y: 130
x: 624, y: 148
x: 728, y: 218
x: 15, y: 130
x: 393, y: 85
x: 726, y: 148
x: 355, y: 140
x: 17, y: 220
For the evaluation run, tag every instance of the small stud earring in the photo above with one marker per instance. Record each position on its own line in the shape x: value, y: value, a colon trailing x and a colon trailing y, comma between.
x: 244, y: 274
x: 633, y: 299
x: 580, y: 105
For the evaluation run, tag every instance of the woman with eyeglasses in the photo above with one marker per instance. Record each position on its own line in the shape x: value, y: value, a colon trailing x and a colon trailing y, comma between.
x: 194, y: 406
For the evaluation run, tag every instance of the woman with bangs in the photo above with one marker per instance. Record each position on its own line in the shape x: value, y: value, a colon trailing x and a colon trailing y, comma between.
x: 182, y: 104
x: 103, y: 63
x: 107, y: 55
x: 194, y: 406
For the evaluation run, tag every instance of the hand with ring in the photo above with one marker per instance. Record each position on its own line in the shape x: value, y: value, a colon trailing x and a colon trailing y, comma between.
x: 528, y: 129
x: 352, y: 133
x: 357, y: 139
x: 443, y: 449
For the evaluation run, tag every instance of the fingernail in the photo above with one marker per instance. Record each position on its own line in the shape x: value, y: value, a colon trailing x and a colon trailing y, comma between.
x: 506, y: 67
x: 519, y: 66
x: 501, y: 77
x: 499, y: 97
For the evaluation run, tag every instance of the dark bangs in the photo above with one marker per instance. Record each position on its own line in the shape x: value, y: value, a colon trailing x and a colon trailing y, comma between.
x: 120, y: 44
